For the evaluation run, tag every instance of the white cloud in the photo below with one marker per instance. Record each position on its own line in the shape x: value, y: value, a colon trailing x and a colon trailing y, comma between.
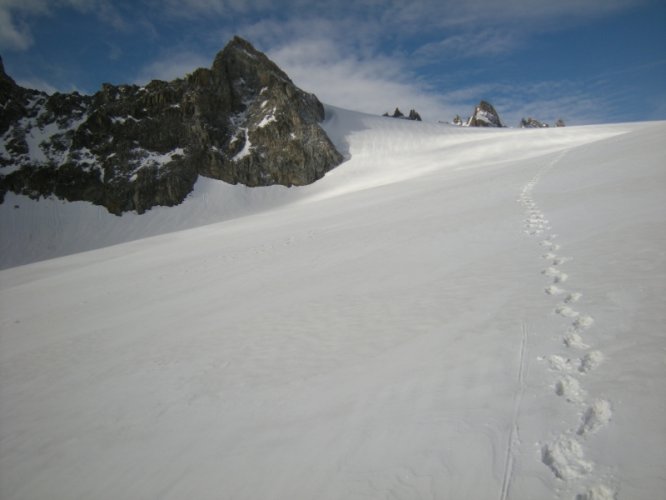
x: 414, y: 15
x: 15, y: 33
x: 476, y: 13
x: 373, y: 84
x: 13, y: 36
x: 486, y: 42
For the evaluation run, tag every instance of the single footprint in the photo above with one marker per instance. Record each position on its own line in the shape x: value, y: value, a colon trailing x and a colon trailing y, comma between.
x: 560, y: 363
x: 583, y: 322
x: 550, y: 245
x: 573, y: 339
x: 560, y: 260
x: 557, y: 275
x: 564, y: 456
x: 572, y: 297
x: 598, y: 492
x: 596, y: 416
x: 590, y: 361
x: 554, y: 290
x: 569, y: 388
x: 566, y: 311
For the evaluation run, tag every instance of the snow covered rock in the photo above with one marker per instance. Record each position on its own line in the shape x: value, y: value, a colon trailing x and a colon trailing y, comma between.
x: 131, y: 148
x: 532, y: 123
x: 484, y: 116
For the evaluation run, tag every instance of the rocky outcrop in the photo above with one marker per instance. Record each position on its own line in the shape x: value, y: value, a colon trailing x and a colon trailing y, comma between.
x: 532, y: 123
x: 484, y: 116
x: 131, y: 148
x: 413, y: 115
x: 560, y: 123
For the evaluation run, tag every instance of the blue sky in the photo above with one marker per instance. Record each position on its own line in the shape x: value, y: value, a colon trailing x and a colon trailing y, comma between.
x: 586, y: 61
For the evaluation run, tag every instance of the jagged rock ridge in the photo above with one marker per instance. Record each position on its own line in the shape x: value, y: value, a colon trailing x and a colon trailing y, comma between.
x: 534, y: 123
x: 131, y: 148
x: 413, y: 115
x: 530, y: 122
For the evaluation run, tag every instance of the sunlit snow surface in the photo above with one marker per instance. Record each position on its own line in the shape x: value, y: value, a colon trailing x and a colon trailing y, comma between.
x: 452, y: 313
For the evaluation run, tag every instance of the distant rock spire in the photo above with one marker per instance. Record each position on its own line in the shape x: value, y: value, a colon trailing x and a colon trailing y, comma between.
x: 413, y: 115
x: 484, y: 116
x: 530, y: 122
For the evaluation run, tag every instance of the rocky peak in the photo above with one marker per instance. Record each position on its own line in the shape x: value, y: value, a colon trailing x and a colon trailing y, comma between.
x: 532, y: 123
x: 413, y: 115
x: 484, y: 116
x: 239, y: 59
x: 132, y: 148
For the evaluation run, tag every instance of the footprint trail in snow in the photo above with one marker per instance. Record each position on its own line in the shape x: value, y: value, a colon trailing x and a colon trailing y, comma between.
x: 564, y: 454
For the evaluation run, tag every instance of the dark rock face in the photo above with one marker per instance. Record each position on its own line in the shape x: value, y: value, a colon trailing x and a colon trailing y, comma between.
x: 457, y: 120
x: 132, y: 148
x: 413, y: 115
x: 532, y: 123
x: 484, y: 116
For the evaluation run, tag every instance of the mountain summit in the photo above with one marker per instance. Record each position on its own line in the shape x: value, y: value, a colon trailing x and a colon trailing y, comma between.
x: 131, y: 148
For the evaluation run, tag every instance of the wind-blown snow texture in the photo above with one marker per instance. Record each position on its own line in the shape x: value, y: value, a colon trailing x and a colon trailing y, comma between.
x: 453, y: 313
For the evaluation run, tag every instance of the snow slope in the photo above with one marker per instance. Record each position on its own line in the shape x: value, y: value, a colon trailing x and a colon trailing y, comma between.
x: 452, y: 313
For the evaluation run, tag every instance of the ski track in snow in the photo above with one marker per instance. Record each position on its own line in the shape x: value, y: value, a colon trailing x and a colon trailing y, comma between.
x: 514, y: 435
x: 564, y: 455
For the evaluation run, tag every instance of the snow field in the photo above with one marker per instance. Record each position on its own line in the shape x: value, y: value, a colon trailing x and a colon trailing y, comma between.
x: 391, y: 331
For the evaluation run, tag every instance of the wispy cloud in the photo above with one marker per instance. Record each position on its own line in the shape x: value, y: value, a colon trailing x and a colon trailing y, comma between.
x: 531, y: 14
x: 15, y: 33
x: 37, y: 85
x: 372, y: 84
x: 486, y: 42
